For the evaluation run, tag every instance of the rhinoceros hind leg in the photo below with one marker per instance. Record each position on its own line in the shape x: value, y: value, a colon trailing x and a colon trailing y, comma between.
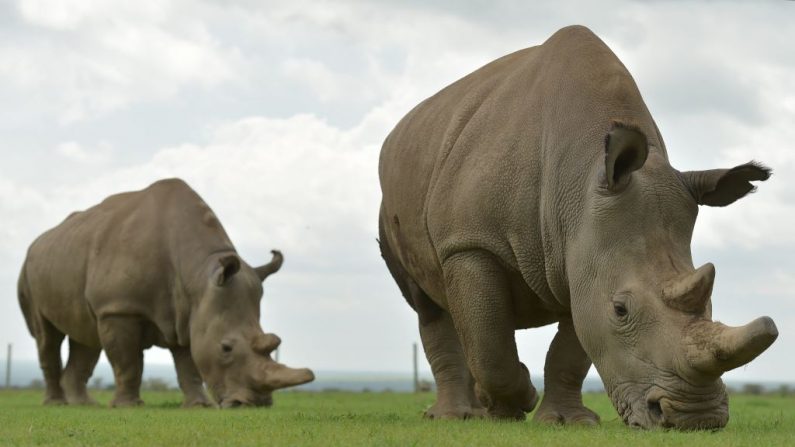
x: 455, y: 397
x: 48, y: 341
x: 82, y: 360
x: 190, y: 381
x: 480, y: 302
x: 564, y: 371
x: 121, y: 338
x: 455, y: 394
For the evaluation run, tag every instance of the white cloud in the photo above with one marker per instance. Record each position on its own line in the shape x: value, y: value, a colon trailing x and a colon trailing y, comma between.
x: 92, y: 58
x: 326, y: 84
x: 74, y: 151
x: 70, y: 14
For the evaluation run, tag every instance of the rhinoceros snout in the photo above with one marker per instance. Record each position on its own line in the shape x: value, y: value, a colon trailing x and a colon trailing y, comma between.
x: 666, y: 411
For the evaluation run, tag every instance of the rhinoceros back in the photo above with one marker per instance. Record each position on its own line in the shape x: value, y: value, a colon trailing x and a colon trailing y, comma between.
x: 498, y: 161
x: 129, y: 255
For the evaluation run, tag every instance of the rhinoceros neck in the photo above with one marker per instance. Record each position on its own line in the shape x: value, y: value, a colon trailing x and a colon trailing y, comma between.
x: 591, y: 89
x: 186, y: 235
x: 197, y: 247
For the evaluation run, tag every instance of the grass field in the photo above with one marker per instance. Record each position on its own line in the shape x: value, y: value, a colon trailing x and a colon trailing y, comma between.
x: 382, y: 419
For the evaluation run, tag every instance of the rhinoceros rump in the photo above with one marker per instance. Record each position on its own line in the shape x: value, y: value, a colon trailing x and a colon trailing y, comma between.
x: 151, y: 267
x: 538, y: 190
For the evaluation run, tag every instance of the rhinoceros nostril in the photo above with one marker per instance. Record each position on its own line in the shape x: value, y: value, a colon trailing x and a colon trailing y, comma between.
x: 655, y: 410
x: 234, y: 403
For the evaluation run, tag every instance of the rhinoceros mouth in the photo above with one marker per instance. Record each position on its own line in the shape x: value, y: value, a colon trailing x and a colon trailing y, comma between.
x: 707, y: 411
x: 648, y: 406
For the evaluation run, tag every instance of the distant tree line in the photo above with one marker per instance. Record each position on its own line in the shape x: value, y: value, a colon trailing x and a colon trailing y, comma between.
x: 756, y: 389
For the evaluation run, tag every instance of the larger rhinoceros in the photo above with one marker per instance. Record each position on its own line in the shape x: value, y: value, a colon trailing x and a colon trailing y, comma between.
x: 144, y: 268
x: 538, y: 190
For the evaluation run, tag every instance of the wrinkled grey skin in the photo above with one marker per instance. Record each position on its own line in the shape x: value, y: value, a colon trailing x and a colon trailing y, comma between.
x: 151, y: 268
x: 538, y: 190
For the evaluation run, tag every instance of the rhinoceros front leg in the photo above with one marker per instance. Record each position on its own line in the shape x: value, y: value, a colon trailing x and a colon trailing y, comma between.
x: 190, y: 381
x: 479, y: 300
x: 564, y: 371
x: 82, y: 360
x: 121, y: 338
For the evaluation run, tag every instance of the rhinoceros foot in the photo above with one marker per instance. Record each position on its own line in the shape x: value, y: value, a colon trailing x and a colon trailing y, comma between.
x: 567, y: 415
x: 442, y: 411
x: 513, y: 405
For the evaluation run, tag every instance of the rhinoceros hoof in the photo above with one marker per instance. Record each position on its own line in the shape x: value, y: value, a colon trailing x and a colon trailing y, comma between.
x: 126, y: 402
x: 567, y: 416
x: 454, y: 412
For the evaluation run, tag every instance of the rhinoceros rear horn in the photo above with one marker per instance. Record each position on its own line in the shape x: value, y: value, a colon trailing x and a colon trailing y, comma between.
x: 272, y: 267
x: 692, y: 292
x: 714, y: 348
x: 266, y: 343
x: 626, y: 150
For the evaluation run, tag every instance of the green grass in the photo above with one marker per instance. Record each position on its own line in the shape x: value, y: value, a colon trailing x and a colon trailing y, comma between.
x: 348, y: 419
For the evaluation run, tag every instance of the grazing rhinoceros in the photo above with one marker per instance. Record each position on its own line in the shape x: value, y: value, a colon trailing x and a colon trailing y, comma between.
x: 144, y: 268
x: 538, y: 190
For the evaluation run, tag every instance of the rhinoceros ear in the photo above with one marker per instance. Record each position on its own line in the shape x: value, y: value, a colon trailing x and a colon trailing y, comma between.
x: 721, y: 187
x: 626, y: 150
x: 272, y: 267
x: 228, y: 266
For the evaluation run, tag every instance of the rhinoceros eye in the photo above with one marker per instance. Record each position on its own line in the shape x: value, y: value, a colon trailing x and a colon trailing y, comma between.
x: 226, y: 347
x: 620, y: 309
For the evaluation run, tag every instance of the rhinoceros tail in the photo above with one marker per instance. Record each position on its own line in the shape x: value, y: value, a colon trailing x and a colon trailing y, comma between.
x: 399, y: 274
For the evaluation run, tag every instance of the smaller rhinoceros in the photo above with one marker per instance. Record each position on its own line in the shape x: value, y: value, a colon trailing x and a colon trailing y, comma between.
x: 151, y: 268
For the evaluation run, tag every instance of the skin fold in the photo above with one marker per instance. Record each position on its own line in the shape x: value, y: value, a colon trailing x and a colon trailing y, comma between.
x: 537, y: 190
x: 151, y: 268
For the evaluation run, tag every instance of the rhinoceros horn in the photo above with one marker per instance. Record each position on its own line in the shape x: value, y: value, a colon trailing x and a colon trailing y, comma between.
x: 280, y: 376
x: 272, y: 267
x: 713, y: 348
x: 266, y: 343
x: 692, y: 292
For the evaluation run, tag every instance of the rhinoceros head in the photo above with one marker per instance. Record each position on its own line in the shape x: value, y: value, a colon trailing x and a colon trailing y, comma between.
x: 641, y: 310
x: 230, y: 349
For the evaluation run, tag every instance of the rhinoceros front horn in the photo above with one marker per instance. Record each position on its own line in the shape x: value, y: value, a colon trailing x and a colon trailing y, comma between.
x: 714, y: 348
x: 281, y: 376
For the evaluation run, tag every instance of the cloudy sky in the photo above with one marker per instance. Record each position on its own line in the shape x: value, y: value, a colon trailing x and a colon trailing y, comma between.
x: 275, y: 112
